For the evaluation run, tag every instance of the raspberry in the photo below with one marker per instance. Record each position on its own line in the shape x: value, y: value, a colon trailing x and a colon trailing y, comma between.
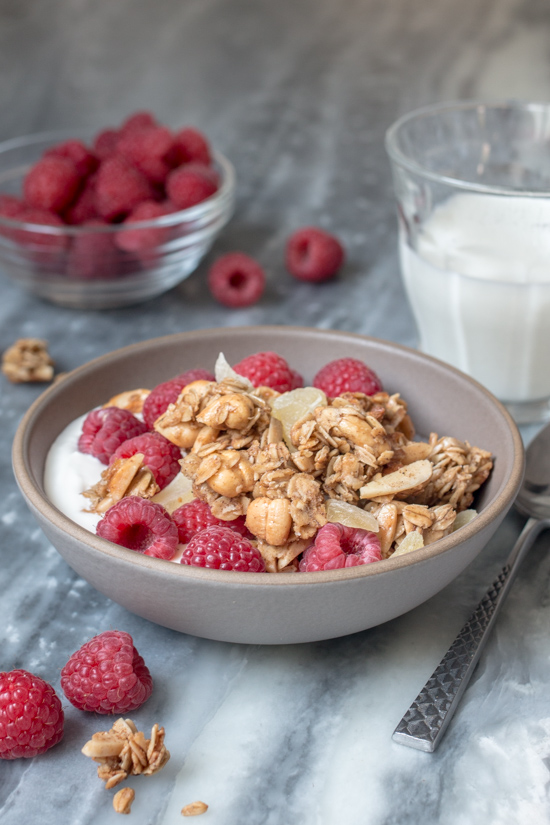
x: 107, y: 675
x: 190, y: 184
x: 220, y: 548
x: 236, y: 280
x: 190, y: 145
x: 160, y: 455
x: 105, y: 143
x: 93, y: 255
x: 135, y: 240
x: 106, y: 429
x: 297, y: 380
x: 196, y: 515
x: 77, y: 152
x: 119, y: 188
x: 10, y: 207
x: 347, y: 375
x: 83, y: 208
x: 51, y: 183
x: 140, y: 525
x: 138, y: 121
x: 166, y: 393
x: 337, y: 546
x: 45, y: 240
x: 31, y: 716
x: 313, y: 255
x: 267, y: 369
x: 146, y: 148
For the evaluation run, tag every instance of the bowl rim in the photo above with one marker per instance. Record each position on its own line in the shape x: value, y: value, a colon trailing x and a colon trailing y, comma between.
x: 38, y: 500
x: 400, y: 158
x: 225, y: 191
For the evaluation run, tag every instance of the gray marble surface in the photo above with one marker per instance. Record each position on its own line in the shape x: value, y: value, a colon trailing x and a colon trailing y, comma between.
x: 298, y: 95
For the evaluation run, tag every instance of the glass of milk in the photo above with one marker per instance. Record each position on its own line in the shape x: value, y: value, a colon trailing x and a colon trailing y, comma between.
x: 472, y: 182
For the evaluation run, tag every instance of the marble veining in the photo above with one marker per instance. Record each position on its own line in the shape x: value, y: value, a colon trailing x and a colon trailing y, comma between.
x: 299, y: 96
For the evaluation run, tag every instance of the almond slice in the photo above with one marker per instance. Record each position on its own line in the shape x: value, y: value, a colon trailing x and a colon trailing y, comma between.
x: 416, y: 451
x: 399, y: 481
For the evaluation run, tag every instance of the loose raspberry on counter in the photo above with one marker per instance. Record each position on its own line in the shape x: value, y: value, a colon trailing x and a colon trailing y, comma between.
x: 190, y: 146
x: 160, y: 455
x: 166, y: 393
x: 267, y: 369
x: 31, y: 716
x: 196, y: 515
x: 190, y: 184
x: 347, y: 375
x: 78, y: 153
x: 107, y: 675
x: 135, y: 239
x: 140, y: 525
x: 236, y: 280
x: 52, y: 183
x: 313, y: 255
x: 119, y: 188
x: 220, y: 548
x: 337, y: 546
x: 106, y: 429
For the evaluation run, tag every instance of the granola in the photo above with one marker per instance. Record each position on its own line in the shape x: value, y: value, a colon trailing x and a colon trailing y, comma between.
x: 27, y: 360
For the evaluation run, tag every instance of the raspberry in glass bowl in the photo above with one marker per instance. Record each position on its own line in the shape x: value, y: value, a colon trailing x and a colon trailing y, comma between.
x: 86, y: 226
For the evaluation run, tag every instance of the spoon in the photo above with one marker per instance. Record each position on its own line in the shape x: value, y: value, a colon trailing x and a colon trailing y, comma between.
x: 423, y: 725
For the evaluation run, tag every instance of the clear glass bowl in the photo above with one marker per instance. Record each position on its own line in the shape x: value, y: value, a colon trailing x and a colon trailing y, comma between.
x: 81, y: 266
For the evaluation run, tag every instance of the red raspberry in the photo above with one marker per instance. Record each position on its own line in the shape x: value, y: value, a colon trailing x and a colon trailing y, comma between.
x: 119, y: 188
x: 10, y: 207
x: 31, y: 716
x: 267, y: 369
x: 51, y: 183
x: 77, y: 152
x: 297, y: 380
x: 313, y: 255
x: 146, y: 148
x: 83, y: 208
x: 190, y: 146
x: 106, y: 429
x: 105, y: 143
x: 93, y: 255
x: 196, y: 515
x: 166, y: 393
x: 107, y: 675
x: 136, y: 240
x: 160, y: 455
x: 190, y: 184
x: 220, y: 548
x: 138, y: 121
x: 337, y: 546
x: 347, y: 375
x: 45, y: 240
x: 140, y: 525
x: 236, y: 280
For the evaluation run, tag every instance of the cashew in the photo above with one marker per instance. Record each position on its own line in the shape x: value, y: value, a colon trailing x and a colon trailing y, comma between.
x: 270, y: 519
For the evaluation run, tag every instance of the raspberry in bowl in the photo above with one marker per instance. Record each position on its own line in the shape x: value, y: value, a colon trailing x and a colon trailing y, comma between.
x: 346, y: 583
x: 104, y: 220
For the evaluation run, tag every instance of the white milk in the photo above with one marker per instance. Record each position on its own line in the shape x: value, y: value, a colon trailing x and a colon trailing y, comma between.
x: 479, y: 286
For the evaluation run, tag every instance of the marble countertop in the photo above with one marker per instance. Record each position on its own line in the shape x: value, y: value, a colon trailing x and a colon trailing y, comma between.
x: 298, y: 95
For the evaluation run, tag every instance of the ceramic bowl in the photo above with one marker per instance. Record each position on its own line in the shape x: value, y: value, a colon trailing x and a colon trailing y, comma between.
x: 85, y: 267
x: 263, y: 608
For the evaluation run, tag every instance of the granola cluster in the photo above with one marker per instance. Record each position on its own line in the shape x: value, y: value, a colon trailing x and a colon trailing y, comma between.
x: 355, y: 448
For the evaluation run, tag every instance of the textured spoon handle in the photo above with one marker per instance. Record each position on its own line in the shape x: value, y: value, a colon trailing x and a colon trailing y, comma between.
x: 425, y: 722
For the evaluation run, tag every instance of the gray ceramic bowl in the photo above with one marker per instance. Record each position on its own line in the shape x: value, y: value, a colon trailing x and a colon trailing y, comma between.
x: 259, y: 607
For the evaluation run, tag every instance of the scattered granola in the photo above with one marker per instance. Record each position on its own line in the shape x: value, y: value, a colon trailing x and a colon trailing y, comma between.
x: 124, y: 751
x: 194, y: 808
x: 122, y: 800
x: 28, y: 360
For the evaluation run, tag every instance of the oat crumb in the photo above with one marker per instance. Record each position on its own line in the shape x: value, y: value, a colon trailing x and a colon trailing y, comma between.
x: 194, y: 808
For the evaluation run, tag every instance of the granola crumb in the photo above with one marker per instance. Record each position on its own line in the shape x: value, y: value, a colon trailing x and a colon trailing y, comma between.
x: 124, y: 751
x: 28, y: 360
x: 122, y: 800
x: 194, y: 808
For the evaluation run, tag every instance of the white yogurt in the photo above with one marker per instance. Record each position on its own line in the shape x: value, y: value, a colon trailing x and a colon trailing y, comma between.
x: 479, y: 286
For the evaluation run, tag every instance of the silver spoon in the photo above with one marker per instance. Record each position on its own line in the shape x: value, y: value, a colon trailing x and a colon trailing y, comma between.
x: 423, y: 725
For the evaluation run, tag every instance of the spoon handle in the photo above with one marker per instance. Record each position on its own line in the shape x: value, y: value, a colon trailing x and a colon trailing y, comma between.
x: 423, y: 725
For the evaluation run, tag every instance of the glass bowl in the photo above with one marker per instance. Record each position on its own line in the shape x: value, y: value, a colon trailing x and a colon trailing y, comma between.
x: 81, y: 266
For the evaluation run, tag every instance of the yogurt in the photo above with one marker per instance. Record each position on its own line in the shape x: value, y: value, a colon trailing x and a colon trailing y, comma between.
x: 479, y: 286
